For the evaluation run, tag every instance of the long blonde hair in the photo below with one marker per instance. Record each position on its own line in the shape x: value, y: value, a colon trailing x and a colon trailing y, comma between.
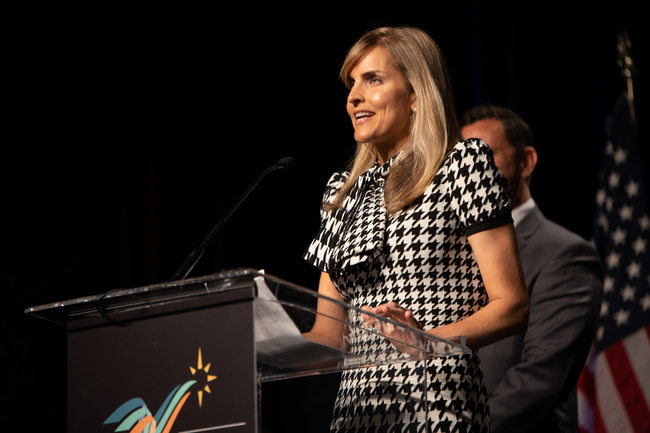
x: 434, y: 129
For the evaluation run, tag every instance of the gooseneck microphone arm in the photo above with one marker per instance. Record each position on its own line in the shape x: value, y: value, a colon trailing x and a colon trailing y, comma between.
x: 196, y: 253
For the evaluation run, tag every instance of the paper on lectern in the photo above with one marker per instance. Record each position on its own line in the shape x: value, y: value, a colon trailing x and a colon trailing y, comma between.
x: 274, y: 329
x: 278, y: 340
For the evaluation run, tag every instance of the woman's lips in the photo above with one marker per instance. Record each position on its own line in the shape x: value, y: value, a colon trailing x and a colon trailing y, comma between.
x: 363, y: 116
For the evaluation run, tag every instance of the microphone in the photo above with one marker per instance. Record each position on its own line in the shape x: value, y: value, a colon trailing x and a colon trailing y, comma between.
x: 194, y: 256
x: 285, y: 163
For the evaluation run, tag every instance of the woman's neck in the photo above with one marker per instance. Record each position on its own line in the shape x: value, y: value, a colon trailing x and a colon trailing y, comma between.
x: 385, y: 153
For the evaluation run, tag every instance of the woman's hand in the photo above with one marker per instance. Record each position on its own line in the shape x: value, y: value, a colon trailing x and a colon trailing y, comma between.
x: 403, y: 339
x: 391, y: 311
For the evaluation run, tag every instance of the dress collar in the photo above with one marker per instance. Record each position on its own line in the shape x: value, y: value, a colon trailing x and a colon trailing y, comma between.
x: 378, y: 170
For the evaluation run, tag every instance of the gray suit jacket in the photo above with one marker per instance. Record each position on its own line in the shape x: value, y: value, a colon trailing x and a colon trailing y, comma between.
x: 531, y: 377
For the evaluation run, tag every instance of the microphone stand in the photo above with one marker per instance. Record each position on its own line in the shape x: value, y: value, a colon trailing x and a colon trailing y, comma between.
x: 196, y: 253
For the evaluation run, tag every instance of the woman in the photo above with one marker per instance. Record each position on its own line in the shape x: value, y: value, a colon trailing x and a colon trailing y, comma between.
x: 405, y: 233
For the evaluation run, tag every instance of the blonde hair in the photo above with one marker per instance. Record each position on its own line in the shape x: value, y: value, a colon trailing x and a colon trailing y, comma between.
x: 434, y: 129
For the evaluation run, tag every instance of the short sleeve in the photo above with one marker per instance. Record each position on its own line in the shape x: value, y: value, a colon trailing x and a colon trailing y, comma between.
x: 480, y: 193
x: 320, y: 249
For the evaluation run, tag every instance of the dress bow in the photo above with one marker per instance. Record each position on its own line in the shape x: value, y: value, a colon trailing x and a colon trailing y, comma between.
x: 362, y: 237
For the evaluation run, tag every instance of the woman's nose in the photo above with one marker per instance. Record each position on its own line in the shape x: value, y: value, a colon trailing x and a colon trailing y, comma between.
x: 355, y: 96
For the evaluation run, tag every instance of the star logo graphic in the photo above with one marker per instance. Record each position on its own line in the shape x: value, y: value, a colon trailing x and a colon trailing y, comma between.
x: 207, y: 377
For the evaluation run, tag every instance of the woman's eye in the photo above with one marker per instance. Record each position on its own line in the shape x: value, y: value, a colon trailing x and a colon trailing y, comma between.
x: 374, y: 80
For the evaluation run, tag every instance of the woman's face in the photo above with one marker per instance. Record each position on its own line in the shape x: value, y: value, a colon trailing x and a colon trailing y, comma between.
x: 380, y: 102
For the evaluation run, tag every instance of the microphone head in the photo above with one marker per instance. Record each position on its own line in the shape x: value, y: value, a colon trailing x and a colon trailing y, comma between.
x: 286, y: 163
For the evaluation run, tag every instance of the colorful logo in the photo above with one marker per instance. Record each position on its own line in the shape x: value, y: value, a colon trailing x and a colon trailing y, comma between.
x: 135, y: 417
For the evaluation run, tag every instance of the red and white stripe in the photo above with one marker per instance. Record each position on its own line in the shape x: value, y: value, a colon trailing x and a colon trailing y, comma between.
x: 614, y: 388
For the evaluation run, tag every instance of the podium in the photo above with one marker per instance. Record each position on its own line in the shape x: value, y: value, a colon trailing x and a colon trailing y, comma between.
x: 189, y: 356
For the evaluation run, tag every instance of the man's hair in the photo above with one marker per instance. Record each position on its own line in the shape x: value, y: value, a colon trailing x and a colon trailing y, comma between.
x: 517, y: 131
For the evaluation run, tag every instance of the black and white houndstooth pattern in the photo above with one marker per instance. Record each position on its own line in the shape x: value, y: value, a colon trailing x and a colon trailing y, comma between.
x: 422, y: 260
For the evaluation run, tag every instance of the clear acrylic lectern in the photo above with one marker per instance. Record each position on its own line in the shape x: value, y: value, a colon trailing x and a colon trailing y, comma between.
x: 191, y: 354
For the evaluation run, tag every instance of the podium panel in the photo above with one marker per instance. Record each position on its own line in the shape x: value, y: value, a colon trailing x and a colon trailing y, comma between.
x: 189, y: 356
x: 193, y: 370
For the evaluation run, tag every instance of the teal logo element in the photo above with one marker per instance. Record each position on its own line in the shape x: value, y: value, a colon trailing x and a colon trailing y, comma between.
x: 135, y: 417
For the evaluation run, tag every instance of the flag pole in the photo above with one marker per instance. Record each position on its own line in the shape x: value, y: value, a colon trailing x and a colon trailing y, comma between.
x: 628, y: 69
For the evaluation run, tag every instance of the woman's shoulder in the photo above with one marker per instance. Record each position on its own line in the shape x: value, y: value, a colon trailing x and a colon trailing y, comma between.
x: 469, y: 158
x: 471, y: 146
x: 338, y: 177
x: 335, y: 183
x: 469, y: 152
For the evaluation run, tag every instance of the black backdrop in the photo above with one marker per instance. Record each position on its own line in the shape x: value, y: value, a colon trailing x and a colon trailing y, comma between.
x: 132, y: 127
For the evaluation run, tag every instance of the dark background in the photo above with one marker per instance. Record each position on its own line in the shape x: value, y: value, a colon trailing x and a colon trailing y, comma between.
x: 132, y: 127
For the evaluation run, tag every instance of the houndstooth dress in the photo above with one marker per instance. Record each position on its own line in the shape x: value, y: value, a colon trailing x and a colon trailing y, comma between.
x: 422, y: 260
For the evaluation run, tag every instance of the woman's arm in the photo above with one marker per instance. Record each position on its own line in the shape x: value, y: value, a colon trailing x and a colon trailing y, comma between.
x: 329, y: 326
x: 497, y: 255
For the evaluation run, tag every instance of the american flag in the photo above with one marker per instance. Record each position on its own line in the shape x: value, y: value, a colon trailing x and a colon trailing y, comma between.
x: 614, y: 388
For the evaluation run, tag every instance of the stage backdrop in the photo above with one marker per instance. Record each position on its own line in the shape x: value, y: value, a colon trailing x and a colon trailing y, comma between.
x: 134, y: 126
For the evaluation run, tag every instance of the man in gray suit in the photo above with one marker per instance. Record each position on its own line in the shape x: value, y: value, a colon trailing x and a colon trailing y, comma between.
x: 531, y: 378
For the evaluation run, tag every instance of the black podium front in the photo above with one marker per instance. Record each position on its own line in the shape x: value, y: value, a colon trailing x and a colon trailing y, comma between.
x: 189, y: 356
